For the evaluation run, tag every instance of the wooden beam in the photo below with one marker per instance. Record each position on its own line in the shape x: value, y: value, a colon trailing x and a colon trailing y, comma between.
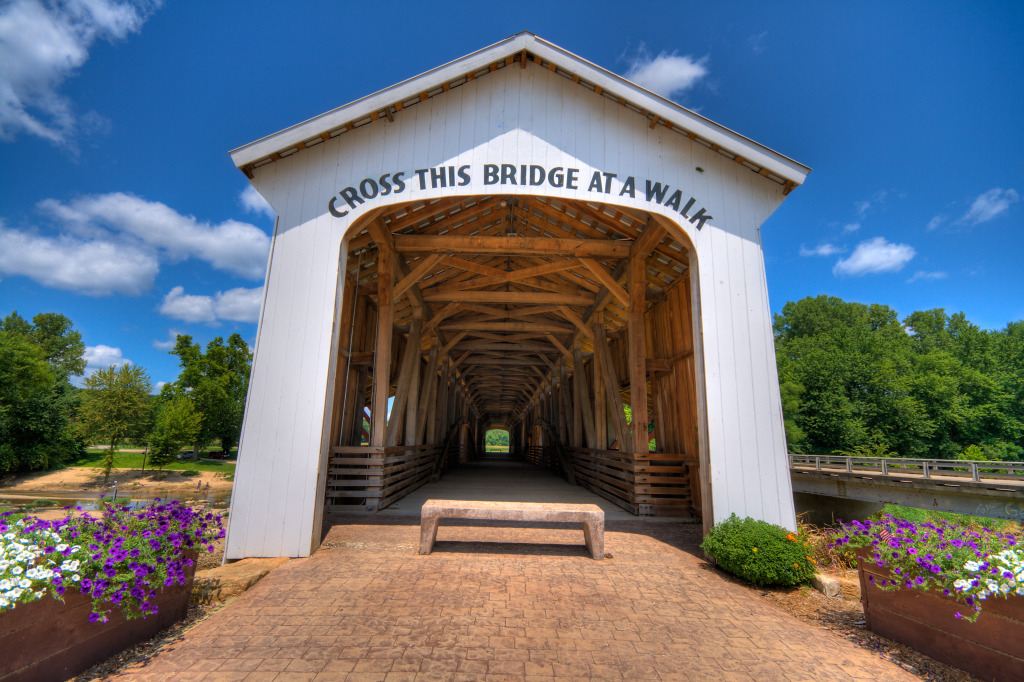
x: 554, y: 342
x: 596, y: 248
x: 416, y: 274
x: 507, y: 347
x: 648, y: 239
x: 455, y: 339
x: 604, y: 277
x: 382, y: 347
x: 576, y: 320
x: 527, y: 297
x: 538, y: 327
x: 637, y: 353
x: 440, y: 315
x: 517, y: 361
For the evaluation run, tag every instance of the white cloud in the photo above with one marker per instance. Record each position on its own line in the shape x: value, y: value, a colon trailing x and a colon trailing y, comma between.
x: 253, y: 202
x: 41, y: 45
x: 851, y: 227
x: 238, y: 248
x: 935, y: 222
x: 922, y: 275
x: 667, y: 74
x: 239, y: 305
x: 989, y: 205
x: 821, y: 250
x: 861, y: 207
x: 102, y: 357
x: 168, y: 344
x: 159, y: 386
x: 875, y: 256
x: 757, y: 42
x: 180, y: 306
x: 96, y: 268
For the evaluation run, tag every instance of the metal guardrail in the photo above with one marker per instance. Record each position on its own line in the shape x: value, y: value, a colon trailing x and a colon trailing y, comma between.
x: 976, y: 470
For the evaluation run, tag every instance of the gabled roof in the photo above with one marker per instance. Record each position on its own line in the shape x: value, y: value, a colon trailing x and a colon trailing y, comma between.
x: 521, y: 49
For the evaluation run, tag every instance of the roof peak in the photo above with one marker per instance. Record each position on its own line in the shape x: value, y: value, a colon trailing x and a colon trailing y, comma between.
x: 523, y: 48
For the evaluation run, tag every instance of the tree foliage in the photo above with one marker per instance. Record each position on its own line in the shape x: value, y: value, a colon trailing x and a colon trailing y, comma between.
x: 496, y: 437
x: 37, y: 401
x: 854, y: 378
x: 216, y: 382
x: 115, y: 406
x: 177, y: 425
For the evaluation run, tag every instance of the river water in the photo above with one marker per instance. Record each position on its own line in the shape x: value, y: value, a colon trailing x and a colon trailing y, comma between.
x: 89, y: 501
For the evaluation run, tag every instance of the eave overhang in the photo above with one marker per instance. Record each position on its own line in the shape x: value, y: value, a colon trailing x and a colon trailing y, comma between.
x: 519, y: 51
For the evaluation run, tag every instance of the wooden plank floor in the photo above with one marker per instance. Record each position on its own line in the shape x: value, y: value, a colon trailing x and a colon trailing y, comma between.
x: 502, y: 480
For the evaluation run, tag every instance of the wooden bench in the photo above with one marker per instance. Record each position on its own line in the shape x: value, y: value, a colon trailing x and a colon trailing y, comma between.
x: 589, y: 515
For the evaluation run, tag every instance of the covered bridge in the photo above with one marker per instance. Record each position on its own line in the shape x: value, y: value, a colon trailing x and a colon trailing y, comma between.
x: 519, y: 240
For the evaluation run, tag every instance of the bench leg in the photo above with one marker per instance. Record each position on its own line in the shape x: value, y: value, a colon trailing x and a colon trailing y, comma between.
x: 428, y: 533
x: 593, y: 535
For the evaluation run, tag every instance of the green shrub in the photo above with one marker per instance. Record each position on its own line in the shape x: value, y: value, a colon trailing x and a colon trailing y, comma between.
x: 760, y: 552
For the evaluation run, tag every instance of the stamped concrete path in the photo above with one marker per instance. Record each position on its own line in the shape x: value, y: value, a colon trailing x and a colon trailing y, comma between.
x: 506, y: 604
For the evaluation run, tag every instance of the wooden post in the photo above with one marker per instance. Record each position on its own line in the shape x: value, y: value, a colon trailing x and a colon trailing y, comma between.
x: 600, y: 407
x: 612, y: 395
x: 428, y: 396
x: 438, y: 432
x: 410, y: 359
x: 581, y: 392
x: 638, y: 352
x: 564, y: 403
x: 382, y: 347
x: 412, y: 403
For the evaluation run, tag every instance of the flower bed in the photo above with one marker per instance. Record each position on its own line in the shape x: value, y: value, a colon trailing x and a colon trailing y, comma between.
x: 72, y: 591
x: 991, y: 648
x: 932, y: 587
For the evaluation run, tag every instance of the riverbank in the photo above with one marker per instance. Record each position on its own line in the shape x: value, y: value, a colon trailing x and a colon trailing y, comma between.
x: 131, y: 482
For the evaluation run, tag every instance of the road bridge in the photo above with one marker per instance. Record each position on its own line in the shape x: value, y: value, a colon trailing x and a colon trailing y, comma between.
x: 979, y: 488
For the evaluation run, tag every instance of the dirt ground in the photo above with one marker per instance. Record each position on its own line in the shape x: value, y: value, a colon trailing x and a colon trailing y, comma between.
x: 130, y: 481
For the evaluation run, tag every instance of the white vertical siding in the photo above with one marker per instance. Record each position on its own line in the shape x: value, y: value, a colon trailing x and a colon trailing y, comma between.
x: 512, y: 116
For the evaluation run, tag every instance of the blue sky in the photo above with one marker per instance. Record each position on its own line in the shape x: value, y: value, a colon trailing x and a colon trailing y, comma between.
x: 120, y: 208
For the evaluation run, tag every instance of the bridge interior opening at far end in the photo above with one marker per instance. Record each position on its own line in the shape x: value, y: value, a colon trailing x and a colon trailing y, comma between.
x: 567, y: 324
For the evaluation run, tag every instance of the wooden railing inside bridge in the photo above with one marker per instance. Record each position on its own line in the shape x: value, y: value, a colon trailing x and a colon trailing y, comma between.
x: 377, y: 476
x: 646, y: 484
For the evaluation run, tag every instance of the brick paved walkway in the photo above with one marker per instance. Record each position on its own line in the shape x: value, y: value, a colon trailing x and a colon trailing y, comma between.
x: 368, y: 607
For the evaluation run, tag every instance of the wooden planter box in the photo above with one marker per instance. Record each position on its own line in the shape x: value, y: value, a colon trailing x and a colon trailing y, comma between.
x: 52, y: 640
x: 991, y: 648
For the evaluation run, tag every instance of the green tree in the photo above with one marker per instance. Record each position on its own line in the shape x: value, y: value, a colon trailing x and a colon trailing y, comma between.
x: 852, y: 361
x: 61, y: 345
x: 37, y: 404
x: 854, y: 379
x: 216, y: 382
x: 178, y: 424
x: 116, y: 402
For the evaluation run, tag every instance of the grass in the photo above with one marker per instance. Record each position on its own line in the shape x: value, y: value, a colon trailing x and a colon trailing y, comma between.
x: 496, y: 448
x: 133, y: 460
x: 830, y: 559
x: 925, y: 516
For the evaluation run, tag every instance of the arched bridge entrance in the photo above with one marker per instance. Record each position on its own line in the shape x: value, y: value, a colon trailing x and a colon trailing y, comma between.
x: 567, y: 323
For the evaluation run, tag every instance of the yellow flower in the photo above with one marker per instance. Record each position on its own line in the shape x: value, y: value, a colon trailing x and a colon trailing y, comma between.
x: 754, y: 549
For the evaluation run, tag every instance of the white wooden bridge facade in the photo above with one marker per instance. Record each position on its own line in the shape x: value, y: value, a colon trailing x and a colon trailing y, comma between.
x: 517, y: 239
